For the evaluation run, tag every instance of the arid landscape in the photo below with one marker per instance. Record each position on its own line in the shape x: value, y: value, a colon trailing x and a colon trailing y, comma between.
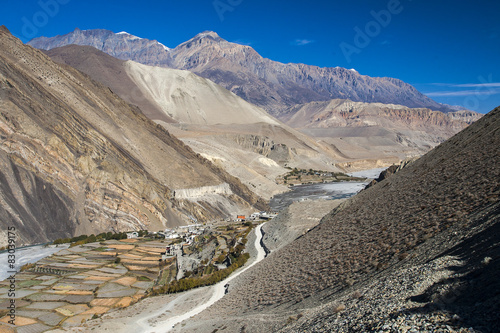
x: 334, y: 168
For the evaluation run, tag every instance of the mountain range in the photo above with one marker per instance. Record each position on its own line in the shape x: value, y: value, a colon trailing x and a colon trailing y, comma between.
x: 164, y: 96
x: 236, y: 135
x: 91, y: 143
x: 239, y: 68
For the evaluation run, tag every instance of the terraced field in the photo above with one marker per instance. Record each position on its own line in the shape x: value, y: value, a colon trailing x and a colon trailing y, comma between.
x: 80, y: 283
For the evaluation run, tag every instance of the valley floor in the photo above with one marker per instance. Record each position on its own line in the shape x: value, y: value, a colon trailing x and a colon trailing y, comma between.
x: 161, y: 313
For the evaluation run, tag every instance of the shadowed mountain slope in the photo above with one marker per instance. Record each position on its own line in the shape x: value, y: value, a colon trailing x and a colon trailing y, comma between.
x: 76, y: 158
x: 109, y: 71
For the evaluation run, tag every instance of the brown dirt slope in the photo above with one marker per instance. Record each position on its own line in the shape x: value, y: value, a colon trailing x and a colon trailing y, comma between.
x: 438, y: 202
x: 375, y: 127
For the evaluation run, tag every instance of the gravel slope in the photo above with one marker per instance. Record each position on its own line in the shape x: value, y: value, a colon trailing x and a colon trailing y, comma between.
x: 446, y: 201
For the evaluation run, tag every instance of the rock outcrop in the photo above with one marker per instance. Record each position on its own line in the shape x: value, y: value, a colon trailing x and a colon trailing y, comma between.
x: 391, y: 171
x: 78, y: 159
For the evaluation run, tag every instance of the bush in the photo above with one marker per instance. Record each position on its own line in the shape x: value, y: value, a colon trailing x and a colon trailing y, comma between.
x: 27, y: 266
x: 208, y: 280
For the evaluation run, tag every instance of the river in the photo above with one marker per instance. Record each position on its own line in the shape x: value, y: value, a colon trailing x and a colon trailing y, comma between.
x: 329, y: 191
x: 27, y: 255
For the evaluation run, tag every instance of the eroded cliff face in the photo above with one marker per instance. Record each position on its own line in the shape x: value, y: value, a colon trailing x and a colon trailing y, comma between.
x: 346, y: 113
x: 75, y: 158
x: 402, y: 131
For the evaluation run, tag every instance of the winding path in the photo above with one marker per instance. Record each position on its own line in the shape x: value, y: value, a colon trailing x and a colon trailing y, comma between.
x: 217, y: 290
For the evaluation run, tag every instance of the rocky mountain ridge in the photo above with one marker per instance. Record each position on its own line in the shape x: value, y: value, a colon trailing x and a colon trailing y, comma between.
x: 78, y: 159
x: 269, y: 84
x: 120, y: 45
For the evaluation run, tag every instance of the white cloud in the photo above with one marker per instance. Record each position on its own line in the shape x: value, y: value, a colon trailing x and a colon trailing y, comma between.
x: 463, y: 93
x: 469, y: 85
x: 302, y: 42
x: 478, y: 85
x: 243, y: 42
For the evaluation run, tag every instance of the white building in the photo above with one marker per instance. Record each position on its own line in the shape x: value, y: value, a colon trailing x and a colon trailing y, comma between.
x: 133, y: 234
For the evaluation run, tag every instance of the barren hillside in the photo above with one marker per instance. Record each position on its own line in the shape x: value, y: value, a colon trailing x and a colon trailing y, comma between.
x: 376, y: 129
x: 234, y: 134
x: 444, y: 204
x: 76, y: 158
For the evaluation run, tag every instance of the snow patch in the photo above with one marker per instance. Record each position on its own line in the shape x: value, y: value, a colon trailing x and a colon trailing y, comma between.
x: 132, y: 37
x: 208, y: 33
x: 166, y: 48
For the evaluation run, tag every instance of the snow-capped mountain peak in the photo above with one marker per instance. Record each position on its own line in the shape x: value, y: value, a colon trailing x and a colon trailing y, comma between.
x: 208, y: 34
x: 165, y: 47
x: 130, y: 36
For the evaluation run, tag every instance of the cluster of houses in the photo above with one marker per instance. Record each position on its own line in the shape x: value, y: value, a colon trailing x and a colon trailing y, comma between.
x: 257, y: 216
x: 188, y: 233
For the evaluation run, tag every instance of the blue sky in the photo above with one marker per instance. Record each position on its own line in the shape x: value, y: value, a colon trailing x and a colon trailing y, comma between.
x: 448, y: 49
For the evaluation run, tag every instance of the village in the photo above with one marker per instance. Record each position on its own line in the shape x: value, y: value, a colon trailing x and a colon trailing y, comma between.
x: 90, y: 279
x: 183, y: 236
x: 303, y: 176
